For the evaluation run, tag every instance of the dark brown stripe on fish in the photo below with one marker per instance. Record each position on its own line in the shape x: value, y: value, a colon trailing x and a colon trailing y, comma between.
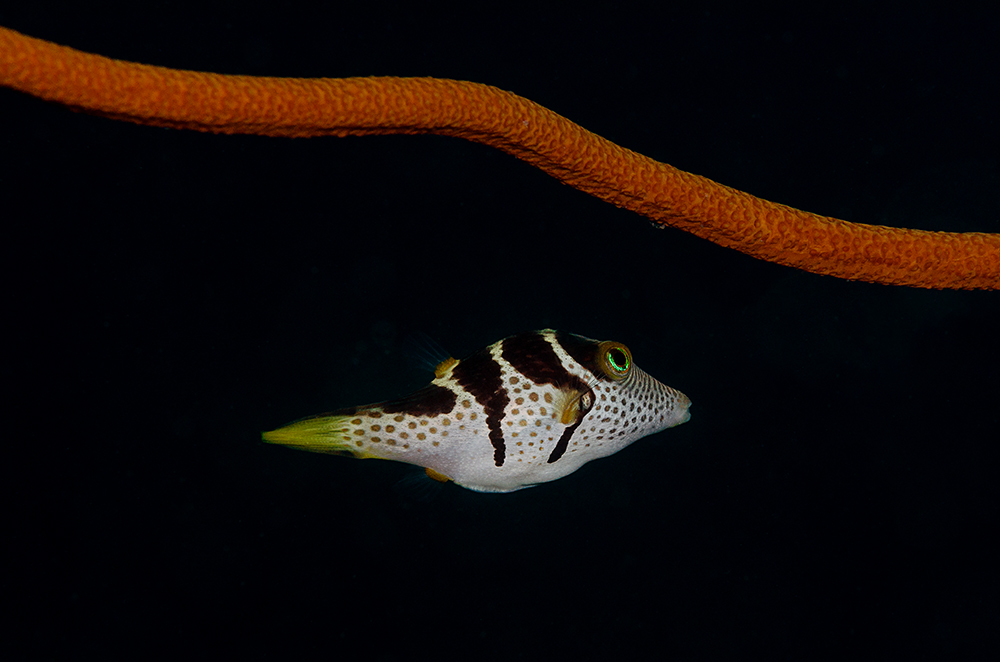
x: 480, y: 375
x: 533, y: 356
x: 428, y: 401
x: 584, y: 351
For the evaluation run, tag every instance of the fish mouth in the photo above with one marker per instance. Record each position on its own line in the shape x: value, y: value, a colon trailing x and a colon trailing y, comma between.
x: 684, y: 403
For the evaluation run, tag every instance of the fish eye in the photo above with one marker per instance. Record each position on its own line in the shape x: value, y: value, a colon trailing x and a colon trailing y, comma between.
x: 615, y: 360
x: 618, y: 360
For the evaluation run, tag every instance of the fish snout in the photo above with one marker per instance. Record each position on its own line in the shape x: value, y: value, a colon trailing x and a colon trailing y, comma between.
x: 683, y: 413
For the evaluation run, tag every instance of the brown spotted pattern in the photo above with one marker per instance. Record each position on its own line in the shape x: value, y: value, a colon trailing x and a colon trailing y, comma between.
x: 529, y: 409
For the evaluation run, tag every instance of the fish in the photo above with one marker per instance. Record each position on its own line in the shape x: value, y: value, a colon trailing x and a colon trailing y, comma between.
x: 528, y: 409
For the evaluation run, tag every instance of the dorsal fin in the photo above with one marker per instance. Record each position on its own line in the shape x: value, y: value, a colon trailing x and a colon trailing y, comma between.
x: 445, y: 367
x: 422, y: 350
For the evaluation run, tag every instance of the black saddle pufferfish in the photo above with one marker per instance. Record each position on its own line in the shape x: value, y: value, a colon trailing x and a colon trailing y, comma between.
x: 529, y: 409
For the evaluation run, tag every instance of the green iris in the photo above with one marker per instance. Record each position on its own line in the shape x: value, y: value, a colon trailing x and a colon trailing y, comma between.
x: 618, y: 360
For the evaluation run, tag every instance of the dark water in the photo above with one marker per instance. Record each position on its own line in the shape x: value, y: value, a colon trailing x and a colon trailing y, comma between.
x: 170, y: 295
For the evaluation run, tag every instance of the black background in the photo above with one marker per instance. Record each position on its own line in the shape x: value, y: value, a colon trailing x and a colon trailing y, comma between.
x: 171, y: 294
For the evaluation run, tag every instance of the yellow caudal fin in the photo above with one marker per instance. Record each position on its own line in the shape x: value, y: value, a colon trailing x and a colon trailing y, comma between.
x: 319, y: 434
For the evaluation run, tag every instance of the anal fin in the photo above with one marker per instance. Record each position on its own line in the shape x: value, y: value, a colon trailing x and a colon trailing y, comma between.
x: 439, y: 477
